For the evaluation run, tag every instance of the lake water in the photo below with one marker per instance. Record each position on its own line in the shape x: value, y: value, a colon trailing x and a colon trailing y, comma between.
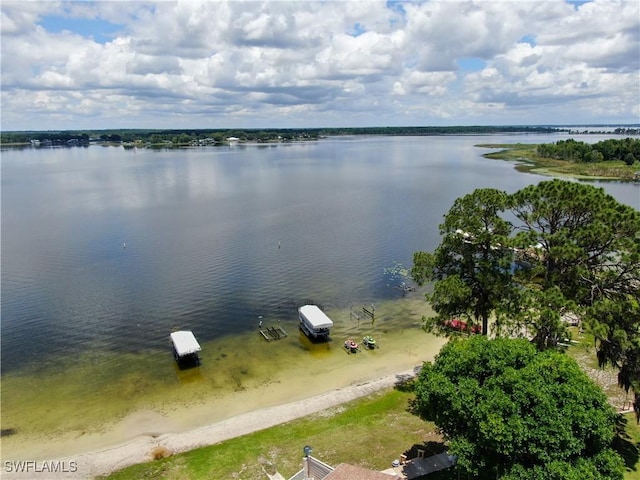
x: 105, y: 251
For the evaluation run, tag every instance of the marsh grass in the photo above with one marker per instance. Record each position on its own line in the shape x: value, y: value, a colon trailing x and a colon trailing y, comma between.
x: 529, y: 161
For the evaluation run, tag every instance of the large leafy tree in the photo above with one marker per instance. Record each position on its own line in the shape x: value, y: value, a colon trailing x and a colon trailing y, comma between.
x: 574, y: 245
x: 471, y: 267
x: 507, y: 410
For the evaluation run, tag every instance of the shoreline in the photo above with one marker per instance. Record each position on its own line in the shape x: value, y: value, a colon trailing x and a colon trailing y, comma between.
x: 100, y: 400
x: 98, y: 416
x: 141, y: 448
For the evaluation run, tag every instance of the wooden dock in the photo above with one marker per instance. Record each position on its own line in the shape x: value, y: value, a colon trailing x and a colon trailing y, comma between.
x: 273, y: 333
x: 369, y: 313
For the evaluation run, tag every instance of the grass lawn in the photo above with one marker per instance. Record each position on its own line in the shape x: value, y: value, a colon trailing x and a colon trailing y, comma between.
x: 369, y: 432
x: 628, y: 442
x: 628, y: 445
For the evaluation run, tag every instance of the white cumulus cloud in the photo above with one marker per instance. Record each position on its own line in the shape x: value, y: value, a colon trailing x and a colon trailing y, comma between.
x: 217, y: 64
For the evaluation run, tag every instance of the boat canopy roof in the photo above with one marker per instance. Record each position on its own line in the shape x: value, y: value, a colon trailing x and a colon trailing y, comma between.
x: 185, y: 342
x: 316, y: 317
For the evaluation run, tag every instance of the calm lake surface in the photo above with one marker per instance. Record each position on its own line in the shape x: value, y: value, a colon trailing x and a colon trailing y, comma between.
x: 105, y: 251
x: 216, y: 237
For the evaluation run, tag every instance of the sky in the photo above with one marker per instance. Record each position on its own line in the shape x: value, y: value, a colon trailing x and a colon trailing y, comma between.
x: 330, y: 63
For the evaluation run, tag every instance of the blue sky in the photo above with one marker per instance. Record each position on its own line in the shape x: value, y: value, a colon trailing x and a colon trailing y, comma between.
x: 219, y: 64
x: 101, y: 31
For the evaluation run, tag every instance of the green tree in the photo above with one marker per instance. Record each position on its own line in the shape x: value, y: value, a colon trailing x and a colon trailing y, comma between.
x: 579, y: 239
x: 594, y: 156
x: 183, y: 139
x: 606, y: 150
x: 507, y: 410
x: 156, y: 139
x: 629, y: 159
x: 582, y: 249
x: 574, y: 248
x: 540, y: 311
x: 574, y: 244
x: 471, y: 267
x: 615, y: 327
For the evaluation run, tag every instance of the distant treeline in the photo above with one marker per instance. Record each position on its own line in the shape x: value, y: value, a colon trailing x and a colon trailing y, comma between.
x: 617, y: 131
x: 455, y: 130
x: 195, y: 136
x: 56, y: 138
x: 627, y: 150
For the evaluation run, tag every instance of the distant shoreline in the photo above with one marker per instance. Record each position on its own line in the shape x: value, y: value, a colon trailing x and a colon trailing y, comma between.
x: 181, y: 138
x: 197, y: 137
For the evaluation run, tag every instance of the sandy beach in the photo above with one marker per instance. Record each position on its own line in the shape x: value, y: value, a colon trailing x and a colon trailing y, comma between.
x: 140, y: 449
x: 231, y: 394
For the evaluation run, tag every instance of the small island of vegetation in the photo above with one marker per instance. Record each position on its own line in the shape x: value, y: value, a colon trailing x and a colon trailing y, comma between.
x: 613, y: 159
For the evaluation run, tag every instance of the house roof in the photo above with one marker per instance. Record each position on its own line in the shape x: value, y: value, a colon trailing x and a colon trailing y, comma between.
x: 344, y: 471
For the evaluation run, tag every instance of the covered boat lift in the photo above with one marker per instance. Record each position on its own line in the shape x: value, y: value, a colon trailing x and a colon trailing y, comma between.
x: 185, y: 347
x: 314, y: 322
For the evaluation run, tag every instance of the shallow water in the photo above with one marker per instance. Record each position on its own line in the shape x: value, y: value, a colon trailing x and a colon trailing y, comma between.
x: 92, y: 404
x: 106, y: 251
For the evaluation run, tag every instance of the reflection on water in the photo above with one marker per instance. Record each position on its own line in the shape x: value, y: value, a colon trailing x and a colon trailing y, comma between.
x: 105, y: 251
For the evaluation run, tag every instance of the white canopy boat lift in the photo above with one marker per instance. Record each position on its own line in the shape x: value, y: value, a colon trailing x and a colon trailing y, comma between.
x: 314, y: 322
x: 185, y: 347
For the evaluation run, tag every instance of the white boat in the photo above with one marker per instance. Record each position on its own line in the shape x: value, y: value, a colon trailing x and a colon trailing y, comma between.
x: 314, y: 322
